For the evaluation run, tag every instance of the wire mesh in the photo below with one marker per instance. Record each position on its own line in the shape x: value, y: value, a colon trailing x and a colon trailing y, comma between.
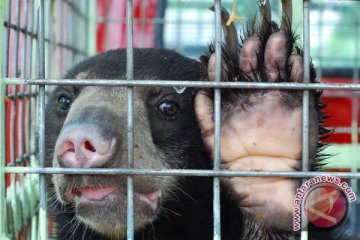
x: 43, y: 39
x: 35, y: 48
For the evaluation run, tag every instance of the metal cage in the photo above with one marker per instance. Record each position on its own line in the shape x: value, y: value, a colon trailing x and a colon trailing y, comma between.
x: 42, y: 39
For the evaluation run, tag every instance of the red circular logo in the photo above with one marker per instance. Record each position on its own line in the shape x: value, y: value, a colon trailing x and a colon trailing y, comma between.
x: 325, y: 206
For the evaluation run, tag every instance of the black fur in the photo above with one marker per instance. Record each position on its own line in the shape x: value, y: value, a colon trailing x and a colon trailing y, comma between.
x: 230, y: 66
x: 188, y: 215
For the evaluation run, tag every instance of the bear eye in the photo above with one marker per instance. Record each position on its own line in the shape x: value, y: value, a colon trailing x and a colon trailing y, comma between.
x: 64, y: 103
x: 168, y: 108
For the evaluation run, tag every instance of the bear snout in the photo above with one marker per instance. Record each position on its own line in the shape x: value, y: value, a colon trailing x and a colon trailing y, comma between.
x: 84, y: 146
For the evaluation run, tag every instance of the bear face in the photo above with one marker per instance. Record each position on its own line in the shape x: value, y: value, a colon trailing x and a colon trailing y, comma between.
x: 86, y: 127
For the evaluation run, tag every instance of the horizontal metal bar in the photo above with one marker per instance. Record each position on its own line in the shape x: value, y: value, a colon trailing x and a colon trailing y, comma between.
x: 184, y: 83
x: 47, y: 40
x: 197, y: 21
x: 13, y: 96
x: 175, y: 172
x: 342, y: 129
x: 20, y: 159
x: 147, y: 20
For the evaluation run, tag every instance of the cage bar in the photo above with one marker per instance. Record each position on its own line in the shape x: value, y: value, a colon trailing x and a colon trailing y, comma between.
x: 21, y: 124
x: 7, y: 38
x: 130, y: 118
x: 41, y: 104
x: 91, y: 26
x: 306, y: 79
x: 305, y: 108
x: 22, y: 87
x: 12, y: 196
x: 355, y: 130
x: 176, y: 172
x: 3, y: 212
x: 178, y: 25
x: 48, y: 62
x: 186, y: 83
x: 217, y: 122
x: 69, y: 36
x: 61, y: 36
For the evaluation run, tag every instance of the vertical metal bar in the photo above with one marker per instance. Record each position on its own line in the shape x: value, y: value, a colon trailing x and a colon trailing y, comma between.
x: 3, y: 212
x: 61, y: 35
x: 23, y: 75
x: 130, y: 119
x: 34, y: 227
x: 76, y: 38
x: 73, y: 33
x: 21, y: 122
x: 13, y: 117
x: 305, y: 118
x: 3, y: 59
x: 3, y: 88
x: 305, y: 137
x: 85, y: 23
x: 7, y: 38
x: 47, y: 36
x: 70, y: 42
x: 91, y: 27
x: 41, y: 75
x: 66, y: 19
x: 30, y: 73
x: 14, y: 92
x: 84, y: 20
x: 16, y: 41
x: 79, y: 32
x: 35, y: 57
x: 354, y: 128
x: 55, y: 31
x: 178, y: 25
x: 159, y: 27
x: 34, y: 71
x: 217, y: 119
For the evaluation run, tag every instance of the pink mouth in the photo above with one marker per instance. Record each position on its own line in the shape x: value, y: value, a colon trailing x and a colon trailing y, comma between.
x: 100, y: 193
x: 96, y: 193
x: 90, y: 193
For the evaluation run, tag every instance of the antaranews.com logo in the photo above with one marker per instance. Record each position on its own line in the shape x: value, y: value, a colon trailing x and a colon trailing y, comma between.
x: 324, y: 201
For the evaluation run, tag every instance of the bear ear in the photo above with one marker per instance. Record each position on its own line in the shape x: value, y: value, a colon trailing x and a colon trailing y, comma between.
x: 231, y: 45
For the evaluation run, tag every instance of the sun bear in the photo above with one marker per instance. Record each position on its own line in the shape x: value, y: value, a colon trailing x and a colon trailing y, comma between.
x: 86, y: 127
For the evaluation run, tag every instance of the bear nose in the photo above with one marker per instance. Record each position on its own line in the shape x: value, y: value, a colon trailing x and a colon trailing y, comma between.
x: 83, y: 146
